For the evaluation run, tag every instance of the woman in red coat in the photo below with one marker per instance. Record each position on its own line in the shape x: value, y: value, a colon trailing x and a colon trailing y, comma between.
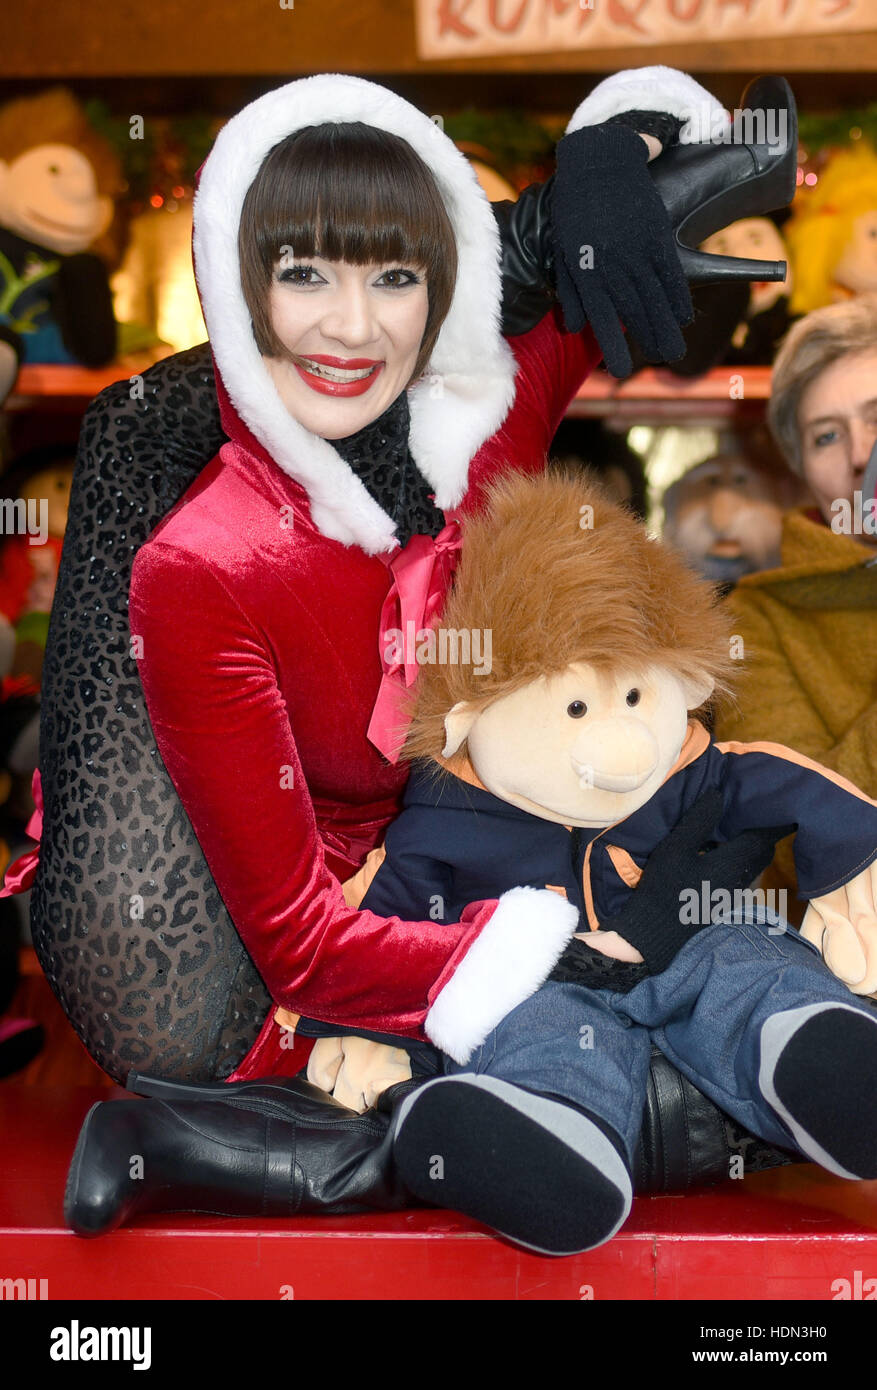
x: 349, y: 271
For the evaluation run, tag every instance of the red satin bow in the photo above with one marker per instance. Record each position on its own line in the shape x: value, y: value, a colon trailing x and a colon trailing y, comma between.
x: 421, y: 574
x: 20, y: 875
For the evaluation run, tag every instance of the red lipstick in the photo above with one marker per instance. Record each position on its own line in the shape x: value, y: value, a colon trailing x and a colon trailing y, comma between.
x: 334, y: 387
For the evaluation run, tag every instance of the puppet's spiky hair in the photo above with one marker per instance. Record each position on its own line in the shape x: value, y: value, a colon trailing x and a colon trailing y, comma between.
x: 559, y: 574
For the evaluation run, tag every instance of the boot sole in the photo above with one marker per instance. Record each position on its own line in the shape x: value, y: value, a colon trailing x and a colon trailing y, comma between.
x: 158, y: 1088
x: 467, y: 1146
x: 834, y: 1105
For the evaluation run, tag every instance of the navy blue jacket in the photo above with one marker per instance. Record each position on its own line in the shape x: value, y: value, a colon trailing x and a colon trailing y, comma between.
x: 455, y: 843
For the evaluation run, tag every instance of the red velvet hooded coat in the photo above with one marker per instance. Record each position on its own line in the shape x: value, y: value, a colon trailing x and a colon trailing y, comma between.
x: 258, y: 603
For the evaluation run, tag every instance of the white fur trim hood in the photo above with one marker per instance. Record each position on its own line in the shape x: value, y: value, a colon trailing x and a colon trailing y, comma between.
x: 654, y: 89
x: 473, y: 361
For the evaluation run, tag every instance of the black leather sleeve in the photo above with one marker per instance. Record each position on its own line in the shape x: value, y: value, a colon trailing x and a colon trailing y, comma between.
x: 527, y: 258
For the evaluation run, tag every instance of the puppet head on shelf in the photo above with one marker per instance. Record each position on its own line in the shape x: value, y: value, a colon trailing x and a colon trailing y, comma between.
x: 57, y: 178
x: 596, y: 644
x: 725, y: 515
x: 832, y: 234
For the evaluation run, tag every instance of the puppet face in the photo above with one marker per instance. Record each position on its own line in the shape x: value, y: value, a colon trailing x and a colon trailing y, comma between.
x: 754, y: 239
x: 725, y: 519
x: 52, y: 486
x: 837, y: 419
x: 353, y: 334
x: 49, y: 195
x: 857, y: 268
x: 583, y: 748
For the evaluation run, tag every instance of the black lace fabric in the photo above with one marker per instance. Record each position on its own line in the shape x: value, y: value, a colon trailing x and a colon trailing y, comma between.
x: 591, y: 968
x: 380, y: 457
x: 660, y: 124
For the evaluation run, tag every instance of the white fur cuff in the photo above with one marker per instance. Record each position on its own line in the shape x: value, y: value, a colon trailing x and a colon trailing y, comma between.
x: 507, y: 963
x: 654, y: 89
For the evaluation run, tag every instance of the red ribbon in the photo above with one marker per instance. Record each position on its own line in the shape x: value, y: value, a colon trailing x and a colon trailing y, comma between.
x: 20, y: 875
x: 421, y: 574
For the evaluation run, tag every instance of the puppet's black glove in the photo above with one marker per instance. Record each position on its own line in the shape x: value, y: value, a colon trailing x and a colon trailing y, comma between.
x: 615, y: 259
x: 655, y: 919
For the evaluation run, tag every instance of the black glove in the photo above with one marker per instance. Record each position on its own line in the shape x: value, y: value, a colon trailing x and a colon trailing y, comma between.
x: 651, y: 918
x: 615, y: 259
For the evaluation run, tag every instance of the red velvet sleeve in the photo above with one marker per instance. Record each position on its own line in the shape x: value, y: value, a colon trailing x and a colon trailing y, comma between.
x: 552, y: 364
x: 223, y: 731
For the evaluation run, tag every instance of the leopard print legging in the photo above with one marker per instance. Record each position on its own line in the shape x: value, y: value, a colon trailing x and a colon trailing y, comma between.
x: 126, y: 920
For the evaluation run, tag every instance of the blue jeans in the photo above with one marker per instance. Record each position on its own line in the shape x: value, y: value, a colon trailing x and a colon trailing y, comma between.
x: 705, y: 1012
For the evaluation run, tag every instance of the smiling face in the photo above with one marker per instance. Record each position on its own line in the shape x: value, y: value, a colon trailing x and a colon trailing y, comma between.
x: 583, y: 748
x: 49, y: 195
x: 837, y: 418
x: 348, y: 263
x: 351, y: 336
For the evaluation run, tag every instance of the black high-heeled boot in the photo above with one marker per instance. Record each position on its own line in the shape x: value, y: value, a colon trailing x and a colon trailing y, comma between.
x: 685, y: 1140
x: 704, y: 187
x: 282, y: 1150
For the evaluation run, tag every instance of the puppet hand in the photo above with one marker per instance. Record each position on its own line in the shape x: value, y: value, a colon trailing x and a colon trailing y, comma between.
x: 610, y: 944
x: 355, y: 1071
x: 843, y: 924
x: 614, y: 250
x: 656, y: 918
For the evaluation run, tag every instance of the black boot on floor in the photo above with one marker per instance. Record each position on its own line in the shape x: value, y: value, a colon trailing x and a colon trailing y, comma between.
x: 820, y: 1075
x: 534, y: 1169
x: 289, y: 1152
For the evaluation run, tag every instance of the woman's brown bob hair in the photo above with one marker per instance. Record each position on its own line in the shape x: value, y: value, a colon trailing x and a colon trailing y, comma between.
x: 345, y: 191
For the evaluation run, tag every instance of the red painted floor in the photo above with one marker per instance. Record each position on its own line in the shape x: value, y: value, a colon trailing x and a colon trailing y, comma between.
x: 791, y: 1233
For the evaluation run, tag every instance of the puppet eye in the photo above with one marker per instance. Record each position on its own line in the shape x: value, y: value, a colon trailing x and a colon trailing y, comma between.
x: 577, y: 709
x: 633, y: 697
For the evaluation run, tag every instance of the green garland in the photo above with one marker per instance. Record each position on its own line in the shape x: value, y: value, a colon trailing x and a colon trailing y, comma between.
x: 516, y: 141
x: 185, y: 140
x: 513, y: 138
x: 820, y: 130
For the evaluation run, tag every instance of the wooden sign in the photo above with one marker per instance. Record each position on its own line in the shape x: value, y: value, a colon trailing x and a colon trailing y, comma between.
x: 473, y: 28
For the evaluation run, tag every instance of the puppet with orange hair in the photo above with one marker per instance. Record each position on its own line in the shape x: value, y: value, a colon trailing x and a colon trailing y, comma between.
x: 832, y: 234
x: 57, y: 180
x: 560, y: 757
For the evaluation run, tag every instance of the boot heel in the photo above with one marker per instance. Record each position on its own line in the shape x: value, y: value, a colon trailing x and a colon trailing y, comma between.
x: 706, y: 186
x: 703, y: 267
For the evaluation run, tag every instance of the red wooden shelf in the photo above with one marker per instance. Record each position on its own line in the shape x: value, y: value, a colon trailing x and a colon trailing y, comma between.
x: 789, y: 1233
x: 652, y: 384
x: 38, y: 382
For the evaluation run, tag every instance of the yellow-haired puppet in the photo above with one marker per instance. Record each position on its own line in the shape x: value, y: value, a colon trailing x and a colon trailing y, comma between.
x: 832, y: 234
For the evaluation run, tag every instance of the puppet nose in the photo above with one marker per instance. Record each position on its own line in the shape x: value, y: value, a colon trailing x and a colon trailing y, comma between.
x: 725, y: 505
x: 615, y: 754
